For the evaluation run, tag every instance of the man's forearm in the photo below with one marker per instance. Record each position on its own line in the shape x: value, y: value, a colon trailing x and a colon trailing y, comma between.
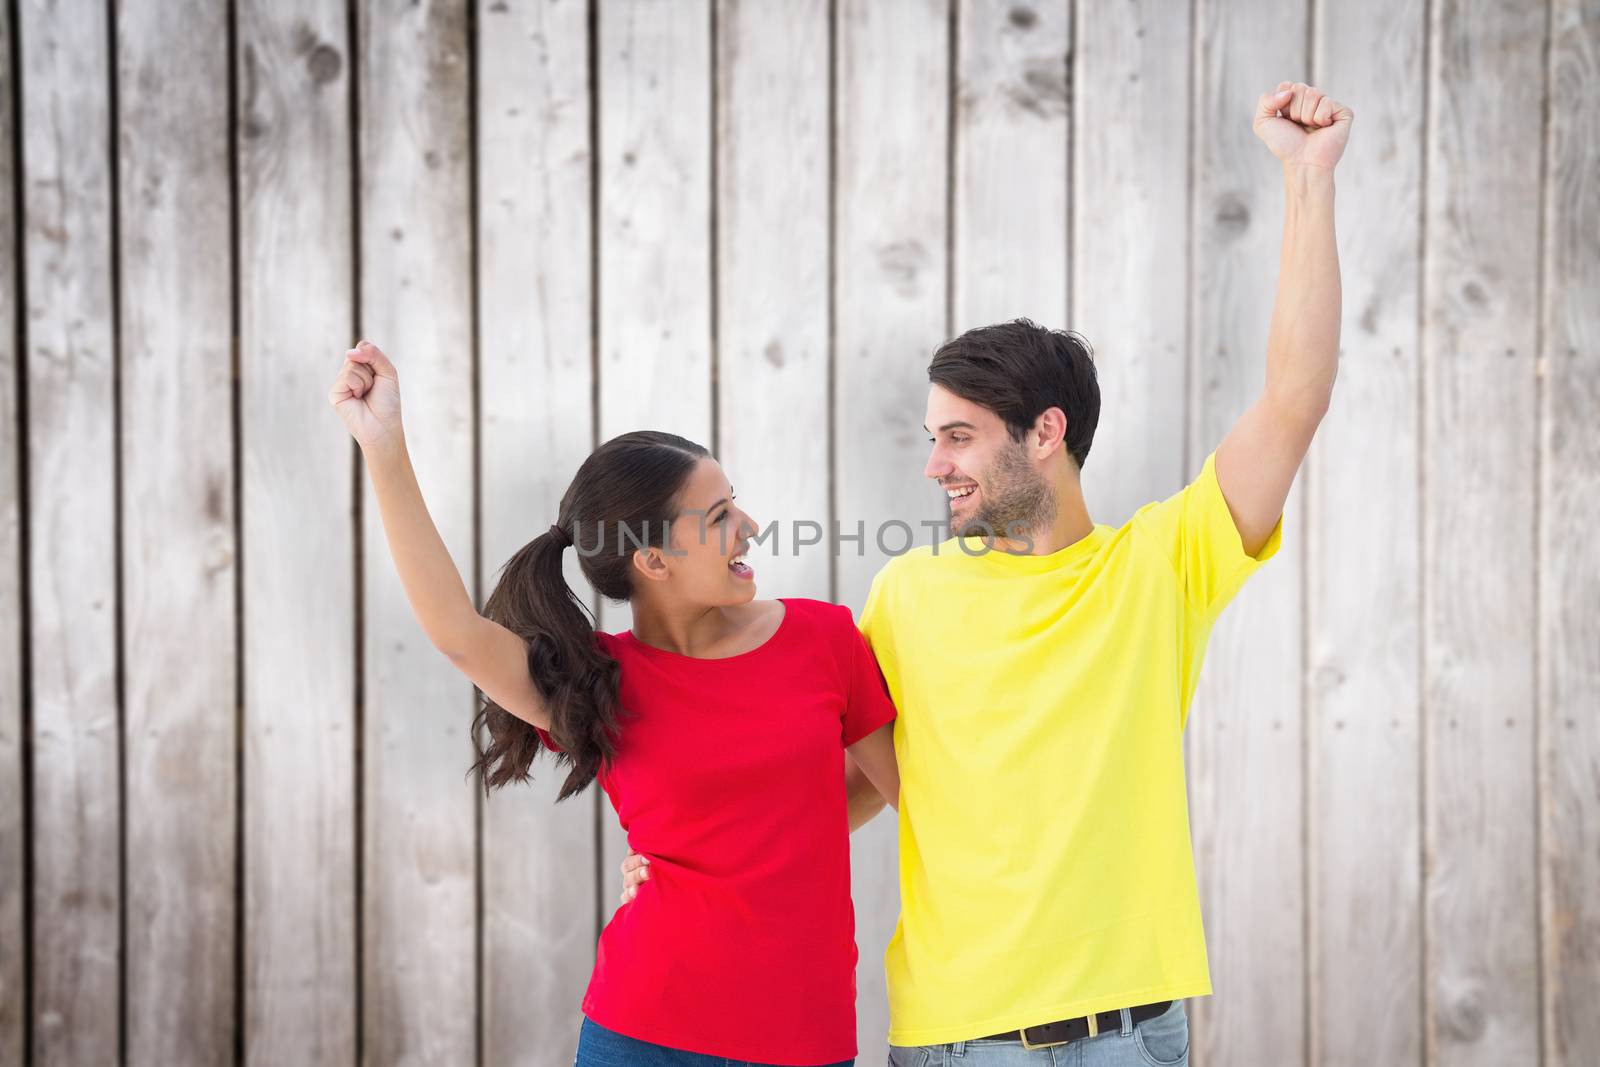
x: 1303, y: 341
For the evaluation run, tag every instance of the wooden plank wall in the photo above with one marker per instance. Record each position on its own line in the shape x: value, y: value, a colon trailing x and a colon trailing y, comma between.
x: 1246, y: 732
x: 233, y: 819
x: 178, y: 610
x: 77, y: 932
x: 1363, y: 670
x: 296, y: 287
x: 1569, y: 573
x: 13, y: 789
x: 535, y: 369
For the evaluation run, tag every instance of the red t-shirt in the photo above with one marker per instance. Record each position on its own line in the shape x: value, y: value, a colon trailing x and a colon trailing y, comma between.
x: 729, y: 776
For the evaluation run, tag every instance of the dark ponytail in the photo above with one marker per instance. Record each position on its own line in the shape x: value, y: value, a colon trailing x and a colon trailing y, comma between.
x: 624, y: 495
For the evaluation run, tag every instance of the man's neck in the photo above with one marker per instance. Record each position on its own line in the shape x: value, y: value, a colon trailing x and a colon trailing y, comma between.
x: 1071, y: 524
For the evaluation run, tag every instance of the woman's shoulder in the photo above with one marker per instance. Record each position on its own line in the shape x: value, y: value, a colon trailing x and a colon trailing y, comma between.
x: 821, y: 617
x: 824, y: 610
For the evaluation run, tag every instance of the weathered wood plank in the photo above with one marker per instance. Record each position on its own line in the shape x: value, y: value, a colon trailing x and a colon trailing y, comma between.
x: 1130, y: 201
x: 419, y: 969
x: 297, y: 314
x: 655, y: 218
x: 1569, y: 626
x: 178, y: 544
x: 536, y: 426
x: 13, y: 828
x: 890, y: 290
x: 655, y: 66
x: 772, y: 280
x: 1364, y: 664
x: 72, y: 577
x: 1480, y: 447
x: 1246, y: 733
x: 1009, y: 254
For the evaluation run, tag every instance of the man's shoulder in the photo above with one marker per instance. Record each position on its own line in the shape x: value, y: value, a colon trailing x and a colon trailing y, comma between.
x: 911, y: 562
x: 931, y: 555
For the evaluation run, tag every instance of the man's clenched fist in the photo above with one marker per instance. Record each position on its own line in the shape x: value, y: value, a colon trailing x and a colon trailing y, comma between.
x: 1302, y: 125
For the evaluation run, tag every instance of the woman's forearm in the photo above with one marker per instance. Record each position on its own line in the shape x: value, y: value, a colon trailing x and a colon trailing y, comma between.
x: 432, y: 584
x: 862, y: 797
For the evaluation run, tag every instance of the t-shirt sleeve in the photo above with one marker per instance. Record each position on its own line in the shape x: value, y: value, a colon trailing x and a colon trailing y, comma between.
x: 1195, y: 530
x: 549, y: 742
x: 867, y: 703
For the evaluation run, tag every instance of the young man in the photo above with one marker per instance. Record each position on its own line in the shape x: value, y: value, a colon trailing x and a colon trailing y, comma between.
x: 1043, y: 668
x: 1048, y: 888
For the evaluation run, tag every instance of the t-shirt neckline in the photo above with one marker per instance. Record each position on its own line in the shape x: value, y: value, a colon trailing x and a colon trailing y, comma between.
x: 772, y: 639
x: 1049, y: 561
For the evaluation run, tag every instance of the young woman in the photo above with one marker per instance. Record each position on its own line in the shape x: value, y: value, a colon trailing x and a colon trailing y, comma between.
x: 715, y: 726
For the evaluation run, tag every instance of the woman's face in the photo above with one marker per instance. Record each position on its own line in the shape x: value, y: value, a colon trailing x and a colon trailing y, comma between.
x: 704, y: 562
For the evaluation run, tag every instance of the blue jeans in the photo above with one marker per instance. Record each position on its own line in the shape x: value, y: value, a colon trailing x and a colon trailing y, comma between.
x: 1159, y: 1042
x: 599, y: 1047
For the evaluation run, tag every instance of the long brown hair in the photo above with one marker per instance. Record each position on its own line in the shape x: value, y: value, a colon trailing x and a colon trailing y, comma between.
x: 624, y: 496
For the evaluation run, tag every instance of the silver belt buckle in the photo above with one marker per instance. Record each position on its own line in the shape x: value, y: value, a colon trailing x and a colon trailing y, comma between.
x: 1030, y: 1045
x: 1094, y: 1031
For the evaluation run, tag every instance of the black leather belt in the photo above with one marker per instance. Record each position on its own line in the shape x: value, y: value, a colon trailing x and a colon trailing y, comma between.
x: 1063, y: 1030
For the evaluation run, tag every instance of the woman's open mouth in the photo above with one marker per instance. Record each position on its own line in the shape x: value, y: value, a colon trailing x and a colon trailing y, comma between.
x: 740, y: 566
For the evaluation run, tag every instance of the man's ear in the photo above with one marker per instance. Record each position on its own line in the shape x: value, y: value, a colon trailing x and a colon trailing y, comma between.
x: 1049, y: 432
x: 651, y: 564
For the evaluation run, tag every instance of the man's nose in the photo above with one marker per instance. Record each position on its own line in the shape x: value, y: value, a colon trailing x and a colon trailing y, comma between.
x: 938, y: 466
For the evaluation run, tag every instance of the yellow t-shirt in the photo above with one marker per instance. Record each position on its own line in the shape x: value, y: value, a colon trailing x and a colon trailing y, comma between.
x: 1045, y: 864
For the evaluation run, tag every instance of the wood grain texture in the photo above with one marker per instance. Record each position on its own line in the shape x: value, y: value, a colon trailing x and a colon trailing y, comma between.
x: 178, y: 550
x: 1246, y: 731
x: 655, y: 248
x: 1480, y: 447
x: 890, y: 287
x: 1130, y: 230
x: 1012, y: 99
x: 72, y: 576
x: 419, y: 970
x: 772, y: 282
x: 298, y: 551
x: 535, y: 425
x: 13, y: 622
x: 655, y: 218
x: 1569, y: 626
x: 1394, y: 764
x: 1364, y: 685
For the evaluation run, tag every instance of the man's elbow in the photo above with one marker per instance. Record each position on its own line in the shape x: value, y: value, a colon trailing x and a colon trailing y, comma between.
x: 1298, y: 412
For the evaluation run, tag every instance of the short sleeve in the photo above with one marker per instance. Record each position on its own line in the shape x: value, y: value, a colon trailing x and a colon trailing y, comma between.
x: 1196, y: 532
x: 867, y: 703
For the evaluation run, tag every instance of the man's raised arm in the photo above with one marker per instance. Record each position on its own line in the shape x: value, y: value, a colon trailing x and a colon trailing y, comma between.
x: 1257, y: 461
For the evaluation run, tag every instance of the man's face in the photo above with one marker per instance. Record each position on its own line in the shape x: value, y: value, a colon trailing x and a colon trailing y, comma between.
x: 993, y: 484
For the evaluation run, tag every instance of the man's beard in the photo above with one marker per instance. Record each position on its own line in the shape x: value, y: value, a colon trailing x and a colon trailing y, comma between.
x: 1017, y: 500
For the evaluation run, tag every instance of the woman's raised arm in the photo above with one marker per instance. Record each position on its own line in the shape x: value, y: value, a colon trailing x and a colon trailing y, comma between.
x: 367, y: 397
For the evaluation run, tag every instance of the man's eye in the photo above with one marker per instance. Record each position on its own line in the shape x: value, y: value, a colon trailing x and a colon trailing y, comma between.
x: 958, y: 440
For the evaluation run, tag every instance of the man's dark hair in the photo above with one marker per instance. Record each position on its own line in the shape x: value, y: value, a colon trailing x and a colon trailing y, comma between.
x: 1017, y: 369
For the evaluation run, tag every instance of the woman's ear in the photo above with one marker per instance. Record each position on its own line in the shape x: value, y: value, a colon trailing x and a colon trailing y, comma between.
x: 651, y: 564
